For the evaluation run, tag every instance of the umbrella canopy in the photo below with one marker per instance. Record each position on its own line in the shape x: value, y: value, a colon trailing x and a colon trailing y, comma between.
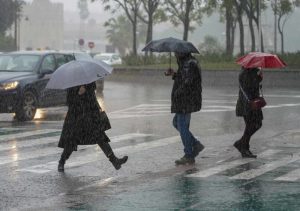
x: 170, y: 45
x: 259, y: 59
x: 77, y: 73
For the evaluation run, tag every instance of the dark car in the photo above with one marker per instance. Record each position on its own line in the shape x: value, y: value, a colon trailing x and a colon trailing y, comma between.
x: 23, y: 78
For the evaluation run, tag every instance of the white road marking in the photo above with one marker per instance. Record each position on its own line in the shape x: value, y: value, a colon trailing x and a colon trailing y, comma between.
x: 267, y: 167
x: 26, y: 134
x: 15, y: 156
x: 228, y: 165
x: 91, y: 157
x: 99, y: 183
x: 54, y: 139
x: 291, y: 176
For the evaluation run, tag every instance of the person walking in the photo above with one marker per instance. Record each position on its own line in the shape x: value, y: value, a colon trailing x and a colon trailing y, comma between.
x: 249, y: 89
x: 186, y: 98
x: 83, y: 125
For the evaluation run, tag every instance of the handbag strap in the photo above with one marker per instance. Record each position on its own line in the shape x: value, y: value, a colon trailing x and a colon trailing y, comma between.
x: 244, y: 93
x: 246, y: 96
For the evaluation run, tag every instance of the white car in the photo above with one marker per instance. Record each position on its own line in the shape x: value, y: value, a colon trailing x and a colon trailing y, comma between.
x: 109, y: 58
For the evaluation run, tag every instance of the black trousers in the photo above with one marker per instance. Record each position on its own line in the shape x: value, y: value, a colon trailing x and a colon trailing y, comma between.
x: 105, y: 147
x: 253, y: 123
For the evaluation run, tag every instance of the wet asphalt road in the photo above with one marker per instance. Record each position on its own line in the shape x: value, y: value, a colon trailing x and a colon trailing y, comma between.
x: 139, y: 110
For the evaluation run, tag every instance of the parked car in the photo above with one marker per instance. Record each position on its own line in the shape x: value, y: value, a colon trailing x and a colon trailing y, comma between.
x: 80, y: 55
x: 109, y: 58
x: 23, y: 78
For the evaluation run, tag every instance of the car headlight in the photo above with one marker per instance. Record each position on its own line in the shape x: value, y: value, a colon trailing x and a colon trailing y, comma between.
x: 10, y: 85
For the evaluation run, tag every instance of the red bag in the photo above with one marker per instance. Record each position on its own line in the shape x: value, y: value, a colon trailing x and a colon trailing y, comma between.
x: 258, y: 103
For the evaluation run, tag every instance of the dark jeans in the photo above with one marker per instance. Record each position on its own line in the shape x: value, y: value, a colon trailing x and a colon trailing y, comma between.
x: 181, y: 122
x: 252, y: 125
x: 105, y: 147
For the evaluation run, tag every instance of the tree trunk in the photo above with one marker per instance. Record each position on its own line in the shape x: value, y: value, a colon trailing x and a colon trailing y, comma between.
x: 228, y: 31
x: 186, y: 24
x: 149, y: 30
x: 251, y: 28
x: 134, y: 26
x: 241, y: 27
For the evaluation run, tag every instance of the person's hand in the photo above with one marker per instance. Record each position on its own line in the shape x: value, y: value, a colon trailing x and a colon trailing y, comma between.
x: 81, y: 90
x: 169, y: 72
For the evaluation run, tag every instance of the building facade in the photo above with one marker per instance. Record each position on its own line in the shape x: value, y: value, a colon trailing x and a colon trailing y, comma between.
x: 41, y: 26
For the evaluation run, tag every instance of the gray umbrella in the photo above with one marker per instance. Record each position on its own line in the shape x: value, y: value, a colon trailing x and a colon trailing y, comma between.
x: 77, y: 73
x: 170, y: 45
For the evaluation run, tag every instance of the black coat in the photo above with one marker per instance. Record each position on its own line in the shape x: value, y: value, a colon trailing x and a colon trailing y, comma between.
x: 249, y: 80
x: 81, y: 125
x: 187, y: 89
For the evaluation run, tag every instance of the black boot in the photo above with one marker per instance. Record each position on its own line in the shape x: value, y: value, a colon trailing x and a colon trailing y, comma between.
x: 117, y: 163
x: 238, y: 145
x: 61, y: 166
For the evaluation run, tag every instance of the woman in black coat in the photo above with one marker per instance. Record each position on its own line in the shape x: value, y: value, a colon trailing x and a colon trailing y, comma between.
x: 82, y: 125
x: 249, y: 82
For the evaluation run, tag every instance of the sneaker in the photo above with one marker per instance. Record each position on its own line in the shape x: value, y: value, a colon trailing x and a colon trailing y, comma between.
x: 197, y: 148
x: 61, y: 167
x: 185, y: 160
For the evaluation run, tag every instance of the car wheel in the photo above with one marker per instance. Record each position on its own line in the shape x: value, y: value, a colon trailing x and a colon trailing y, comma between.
x: 27, y: 109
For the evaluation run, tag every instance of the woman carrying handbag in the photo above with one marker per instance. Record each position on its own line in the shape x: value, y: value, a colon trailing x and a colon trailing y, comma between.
x: 85, y: 124
x: 249, y: 106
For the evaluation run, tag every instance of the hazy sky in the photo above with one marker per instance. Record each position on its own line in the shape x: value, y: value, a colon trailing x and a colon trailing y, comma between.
x: 71, y: 5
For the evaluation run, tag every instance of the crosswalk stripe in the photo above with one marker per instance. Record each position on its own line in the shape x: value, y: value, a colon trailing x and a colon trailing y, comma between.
x: 266, y: 167
x: 26, y: 134
x: 229, y: 165
x: 291, y: 176
x: 28, y: 143
x: 51, y: 151
x: 83, y: 159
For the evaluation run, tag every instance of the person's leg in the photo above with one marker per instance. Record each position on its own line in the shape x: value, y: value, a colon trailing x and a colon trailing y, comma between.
x: 107, y: 150
x: 64, y: 156
x: 252, y: 125
x: 175, y: 122
x: 186, y: 137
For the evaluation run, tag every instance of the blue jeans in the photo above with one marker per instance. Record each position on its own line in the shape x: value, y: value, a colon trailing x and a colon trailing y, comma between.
x: 181, y: 122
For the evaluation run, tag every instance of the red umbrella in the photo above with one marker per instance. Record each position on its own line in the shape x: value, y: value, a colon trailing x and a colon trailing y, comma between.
x: 259, y: 59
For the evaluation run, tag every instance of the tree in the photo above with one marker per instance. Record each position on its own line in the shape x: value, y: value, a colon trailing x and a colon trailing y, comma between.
x: 153, y: 16
x: 228, y: 14
x: 131, y: 9
x: 10, y: 12
x: 211, y: 46
x: 119, y: 32
x: 283, y: 9
x: 185, y: 12
x: 239, y: 5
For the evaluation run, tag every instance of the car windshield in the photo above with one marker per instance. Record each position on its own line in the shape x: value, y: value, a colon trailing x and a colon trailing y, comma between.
x: 18, y: 63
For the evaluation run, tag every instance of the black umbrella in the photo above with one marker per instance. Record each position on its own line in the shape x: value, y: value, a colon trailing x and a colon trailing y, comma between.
x: 170, y: 44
